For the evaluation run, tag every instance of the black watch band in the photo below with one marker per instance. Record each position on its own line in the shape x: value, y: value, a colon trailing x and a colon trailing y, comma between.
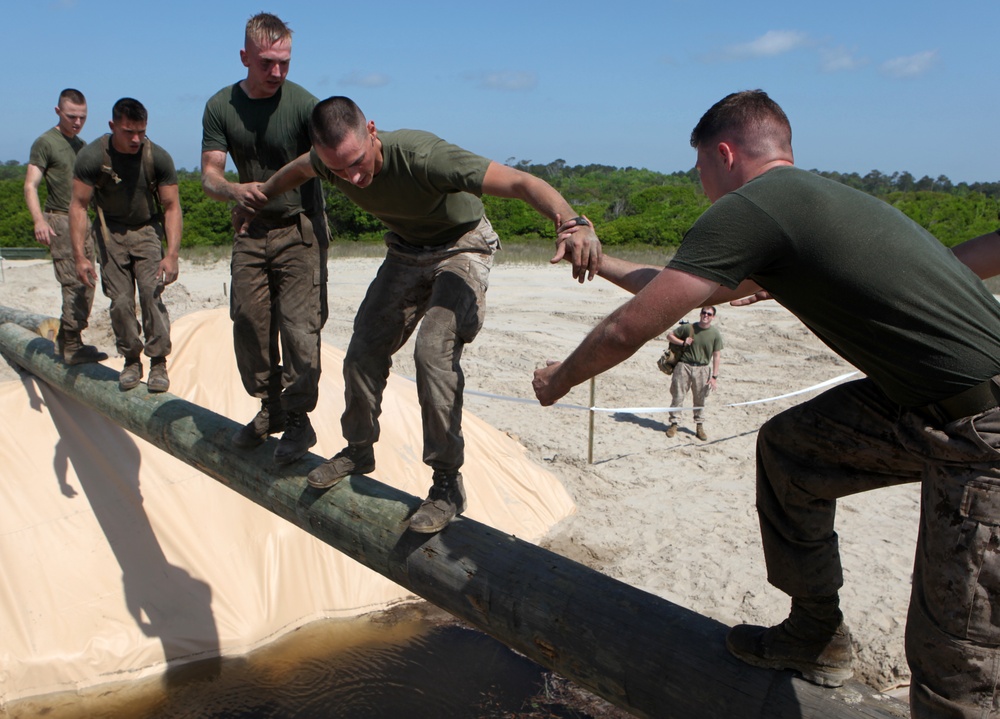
x: 581, y: 221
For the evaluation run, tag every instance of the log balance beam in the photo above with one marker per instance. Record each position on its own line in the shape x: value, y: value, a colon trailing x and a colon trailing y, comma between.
x: 645, y: 654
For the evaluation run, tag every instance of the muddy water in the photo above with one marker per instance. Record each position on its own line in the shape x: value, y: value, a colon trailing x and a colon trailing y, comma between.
x: 410, y: 663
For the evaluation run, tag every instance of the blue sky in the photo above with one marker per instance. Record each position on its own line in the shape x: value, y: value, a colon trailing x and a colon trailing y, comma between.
x: 867, y: 84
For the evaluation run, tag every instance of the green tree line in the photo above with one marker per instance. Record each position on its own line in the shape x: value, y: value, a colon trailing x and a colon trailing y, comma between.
x: 629, y: 206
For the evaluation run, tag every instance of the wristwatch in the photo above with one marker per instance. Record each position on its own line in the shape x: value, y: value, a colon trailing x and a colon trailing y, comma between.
x: 581, y: 221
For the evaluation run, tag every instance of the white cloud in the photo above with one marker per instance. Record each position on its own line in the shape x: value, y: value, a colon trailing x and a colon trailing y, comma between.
x: 771, y: 43
x: 839, y: 59
x: 365, y: 79
x: 910, y: 65
x: 508, y: 80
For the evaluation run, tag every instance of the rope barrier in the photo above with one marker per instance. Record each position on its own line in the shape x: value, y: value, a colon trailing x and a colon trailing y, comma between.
x: 655, y: 410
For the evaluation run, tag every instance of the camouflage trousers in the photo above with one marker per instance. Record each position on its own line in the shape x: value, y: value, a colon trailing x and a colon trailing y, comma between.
x: 77, y: 298
x: 853, y: 438
x: 690, y: 378
x: 129, y: 263
x: 442, y: 288
x: 278, y: 306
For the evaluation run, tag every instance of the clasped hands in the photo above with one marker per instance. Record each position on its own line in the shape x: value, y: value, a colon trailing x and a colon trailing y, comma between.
x: 577, y: 243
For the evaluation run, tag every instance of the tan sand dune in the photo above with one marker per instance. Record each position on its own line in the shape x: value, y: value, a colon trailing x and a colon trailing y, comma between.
x: 118, y: 556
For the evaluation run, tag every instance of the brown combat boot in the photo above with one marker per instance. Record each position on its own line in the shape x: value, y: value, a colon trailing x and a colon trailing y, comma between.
x: 299, y: 436
x: 269, y: 420
x: 818, y: 647
x: 699, y: 432
x: 131, y: 374
x: 445, y: 501
x: 70, y: 345
x: 158, y: 380
x: 353, y: 459
x: 671, y: 430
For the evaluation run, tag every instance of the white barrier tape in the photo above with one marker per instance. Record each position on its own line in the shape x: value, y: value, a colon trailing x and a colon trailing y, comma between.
x: 655, y: 410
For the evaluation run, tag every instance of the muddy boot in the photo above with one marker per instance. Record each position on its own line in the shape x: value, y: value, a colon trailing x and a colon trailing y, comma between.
x: 672, y: 430
x: 158, y: 380
x: 813, y: 641
x: 70, y: 345
x: 297, y: 439
x: 269, y: 420
x: 699, y: 432
x: 131, y: 374
x: 446, y: 499
x: 353, y: 459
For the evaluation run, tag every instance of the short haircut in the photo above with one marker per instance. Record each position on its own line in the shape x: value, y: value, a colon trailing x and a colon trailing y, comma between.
x: 711, y: 307
x: 266, y: 29
x: 129, y: 109
x: 71, y: 95
x: 750, y: 119
x: 333, y: 119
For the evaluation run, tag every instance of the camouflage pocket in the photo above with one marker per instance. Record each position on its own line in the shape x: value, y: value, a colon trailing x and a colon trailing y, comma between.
x: 961, y: 560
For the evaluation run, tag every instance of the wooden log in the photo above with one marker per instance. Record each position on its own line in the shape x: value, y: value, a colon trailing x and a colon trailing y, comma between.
x: 640, y: 652
x: 39, y: 324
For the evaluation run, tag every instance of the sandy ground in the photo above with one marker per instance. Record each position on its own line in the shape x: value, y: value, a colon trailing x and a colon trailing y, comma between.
x: 672, y: 516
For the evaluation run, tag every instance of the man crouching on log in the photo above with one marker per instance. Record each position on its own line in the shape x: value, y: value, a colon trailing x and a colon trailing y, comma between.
x: 892, y: 300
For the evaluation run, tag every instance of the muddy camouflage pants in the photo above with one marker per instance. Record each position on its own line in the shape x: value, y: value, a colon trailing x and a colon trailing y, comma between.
x: 851, y: 439
x: 445, y: 287
x: 77, y: 298
x: 129, y: 262
x: 278, y: 306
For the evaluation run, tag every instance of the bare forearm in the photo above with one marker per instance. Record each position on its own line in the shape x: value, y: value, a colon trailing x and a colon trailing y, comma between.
x: 215, y: 185
x: 77, y: 228
x: 630, y: 276
x: 543, y: 198
x: 605, y: 347
x: 31, y: 200
x: 173, y: 227
x: 289, y: 177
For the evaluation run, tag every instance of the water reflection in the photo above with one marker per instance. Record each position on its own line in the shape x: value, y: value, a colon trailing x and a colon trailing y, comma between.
x: 411, y: 662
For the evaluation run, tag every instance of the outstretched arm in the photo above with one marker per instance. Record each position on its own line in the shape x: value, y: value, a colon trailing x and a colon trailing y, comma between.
x: 289, y: 177
x: 632, y: 277
x: 581, y: 248
x: 657, y: 306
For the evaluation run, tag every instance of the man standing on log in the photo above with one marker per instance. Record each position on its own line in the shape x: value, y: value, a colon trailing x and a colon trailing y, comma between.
x: 440, y: 251
x: 278, y: 301
x: 888, y: 297
x: 134, y: 186
x: 52, y: 157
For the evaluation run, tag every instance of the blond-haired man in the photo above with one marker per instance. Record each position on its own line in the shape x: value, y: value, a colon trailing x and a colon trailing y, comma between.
x: 278, y: 300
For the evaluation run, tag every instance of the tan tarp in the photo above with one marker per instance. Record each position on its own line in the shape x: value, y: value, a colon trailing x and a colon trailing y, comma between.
x: 117, y: 557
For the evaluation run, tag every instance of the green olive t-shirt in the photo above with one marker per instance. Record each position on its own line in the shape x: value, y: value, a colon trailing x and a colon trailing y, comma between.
x: 876, y: 287
x: 128, y: 202
x: 427, y: 191
x: 262, y: 136
x: 54, y: 154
